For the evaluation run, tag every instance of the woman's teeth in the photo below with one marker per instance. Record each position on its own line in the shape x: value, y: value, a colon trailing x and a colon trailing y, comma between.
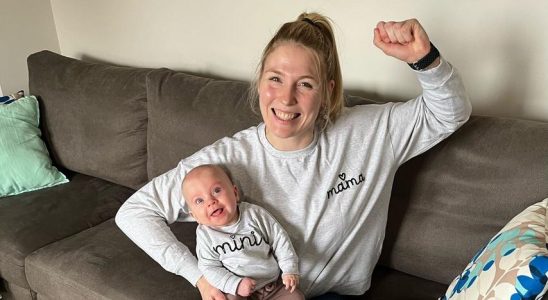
x: 285, y: 116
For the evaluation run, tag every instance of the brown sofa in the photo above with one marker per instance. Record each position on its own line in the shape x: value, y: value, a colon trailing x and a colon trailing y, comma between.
x: 111, y: 128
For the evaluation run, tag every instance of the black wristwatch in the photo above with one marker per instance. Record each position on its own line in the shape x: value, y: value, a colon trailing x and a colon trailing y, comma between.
x: 427, y: 60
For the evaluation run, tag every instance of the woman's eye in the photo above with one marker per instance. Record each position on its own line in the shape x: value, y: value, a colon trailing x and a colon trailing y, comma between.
x: 306, y: 85
x: 275, y: 79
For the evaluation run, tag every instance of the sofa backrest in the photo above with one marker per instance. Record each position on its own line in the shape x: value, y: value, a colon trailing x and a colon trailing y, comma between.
x: 188, y: 112
x: 446, y: 203
x: 450, y: 201
x: 93, y: 116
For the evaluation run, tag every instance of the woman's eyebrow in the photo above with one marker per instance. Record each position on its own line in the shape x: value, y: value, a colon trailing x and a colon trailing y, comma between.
x: 306, y: 76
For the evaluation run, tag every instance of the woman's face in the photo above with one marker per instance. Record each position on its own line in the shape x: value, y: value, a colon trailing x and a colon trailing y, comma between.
x: 289, y: 96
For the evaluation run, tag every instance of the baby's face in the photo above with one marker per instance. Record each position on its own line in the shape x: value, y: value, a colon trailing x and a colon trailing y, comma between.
x: 211, y: 196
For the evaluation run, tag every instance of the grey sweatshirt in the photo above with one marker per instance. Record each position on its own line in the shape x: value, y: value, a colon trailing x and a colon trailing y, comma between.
x: 331, y: 197
x: 256, y: 246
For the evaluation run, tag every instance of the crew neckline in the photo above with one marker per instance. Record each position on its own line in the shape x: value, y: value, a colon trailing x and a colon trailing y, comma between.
x: 285, y: 154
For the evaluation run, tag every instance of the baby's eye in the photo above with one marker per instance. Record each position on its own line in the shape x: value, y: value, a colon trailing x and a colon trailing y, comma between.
x: 198, y: 201
x: 217, y: 190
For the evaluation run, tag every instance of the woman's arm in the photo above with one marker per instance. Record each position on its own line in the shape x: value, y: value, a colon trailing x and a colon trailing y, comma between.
x: 144, y: 218
x: 417, y: 125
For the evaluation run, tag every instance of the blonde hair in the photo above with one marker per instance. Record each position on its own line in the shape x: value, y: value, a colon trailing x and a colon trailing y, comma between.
x: 314, y: 32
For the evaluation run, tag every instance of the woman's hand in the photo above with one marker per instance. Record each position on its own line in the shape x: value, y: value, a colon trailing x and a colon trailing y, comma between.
x: 246, y: 287
x: 405, y: 40
x: 291, y: 281
x: 208, y: 291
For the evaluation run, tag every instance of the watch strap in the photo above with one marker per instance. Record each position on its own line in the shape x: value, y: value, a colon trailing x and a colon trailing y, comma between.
x: 427, y: 60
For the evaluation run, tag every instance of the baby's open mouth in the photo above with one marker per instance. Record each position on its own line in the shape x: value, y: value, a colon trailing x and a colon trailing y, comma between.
x: 217, y: 212
x: 285, y: 116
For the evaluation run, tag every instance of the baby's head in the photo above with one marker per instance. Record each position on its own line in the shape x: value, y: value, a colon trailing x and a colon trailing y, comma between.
x: 211, y: 196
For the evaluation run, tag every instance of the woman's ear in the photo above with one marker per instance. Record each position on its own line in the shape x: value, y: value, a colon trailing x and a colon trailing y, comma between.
x: 331, y: 86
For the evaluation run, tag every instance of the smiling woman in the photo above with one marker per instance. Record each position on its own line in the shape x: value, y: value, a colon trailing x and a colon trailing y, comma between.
x: 322, y: 170
x: 289, y: 97
x: 302, y: 59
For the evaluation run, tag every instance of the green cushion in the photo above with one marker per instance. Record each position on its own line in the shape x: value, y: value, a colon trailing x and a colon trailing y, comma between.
x: 24, y: 159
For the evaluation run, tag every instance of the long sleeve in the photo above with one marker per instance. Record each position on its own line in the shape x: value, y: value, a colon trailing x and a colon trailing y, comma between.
x: 144, y: 218
x: 281, y: 246
x: 213, y: 269
x: 418, y: 124
x: 248, y: 248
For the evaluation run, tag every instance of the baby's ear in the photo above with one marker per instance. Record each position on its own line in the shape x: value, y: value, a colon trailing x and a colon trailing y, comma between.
x: 236, y: 193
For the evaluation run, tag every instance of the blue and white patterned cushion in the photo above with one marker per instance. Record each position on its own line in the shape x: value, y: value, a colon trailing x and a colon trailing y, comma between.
x: 513, y: 265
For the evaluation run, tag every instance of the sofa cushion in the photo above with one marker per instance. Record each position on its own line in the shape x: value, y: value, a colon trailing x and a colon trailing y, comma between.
x: 93, y: 116
x: 447, y: 202
x: 391, y: 284
x: 32, y: 220
x: 512, y: 265
x: 188, y: 112
x: 102, y: 263
x: 10, y: 291
x: 24, y: 159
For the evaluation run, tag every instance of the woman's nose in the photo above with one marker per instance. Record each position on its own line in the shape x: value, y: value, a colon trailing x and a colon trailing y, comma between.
x: 287, y: 96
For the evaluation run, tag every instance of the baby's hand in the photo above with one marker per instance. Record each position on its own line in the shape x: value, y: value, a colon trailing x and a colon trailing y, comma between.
x: 291, y: 281
x: 246, y: 287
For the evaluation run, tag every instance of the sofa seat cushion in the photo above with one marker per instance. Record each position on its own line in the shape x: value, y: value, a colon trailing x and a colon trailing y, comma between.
x: 394, y: 285
x: 102, y: 263
x: 94, y: 116
x: 188, y: 112
x: 32, y: 220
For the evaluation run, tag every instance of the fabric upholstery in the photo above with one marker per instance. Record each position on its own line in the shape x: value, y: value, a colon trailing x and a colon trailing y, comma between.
x: 102, y: 263
x: 10, y: 291
x: 93, y: 116
x: 188, y: 112
x: 447, y: 202
x: 394, y: 285
x: 32, y: 220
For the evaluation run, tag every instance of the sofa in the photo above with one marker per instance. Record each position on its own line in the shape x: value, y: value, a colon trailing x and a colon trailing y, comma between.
x: 111, y: 128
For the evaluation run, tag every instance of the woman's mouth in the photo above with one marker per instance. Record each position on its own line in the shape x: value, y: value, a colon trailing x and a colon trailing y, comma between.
x: 285, y: 116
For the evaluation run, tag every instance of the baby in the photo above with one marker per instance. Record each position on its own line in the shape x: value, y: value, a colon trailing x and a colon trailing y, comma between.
x: 240, y: 246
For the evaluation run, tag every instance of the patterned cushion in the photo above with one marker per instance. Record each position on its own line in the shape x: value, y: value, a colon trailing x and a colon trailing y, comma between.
x: 513, y: 265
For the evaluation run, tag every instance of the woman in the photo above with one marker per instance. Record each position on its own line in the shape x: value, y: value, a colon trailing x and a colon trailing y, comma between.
x: 323, y: 171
